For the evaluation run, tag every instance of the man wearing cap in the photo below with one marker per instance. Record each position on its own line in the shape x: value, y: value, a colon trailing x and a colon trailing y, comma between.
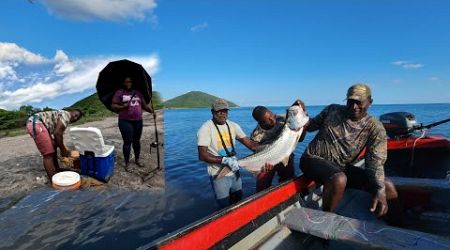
x: 343, y: 133
x: 216, y: 147
x: 269, y: 127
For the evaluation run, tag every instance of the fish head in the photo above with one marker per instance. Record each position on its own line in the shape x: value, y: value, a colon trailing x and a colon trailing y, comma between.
x: 296, y: 117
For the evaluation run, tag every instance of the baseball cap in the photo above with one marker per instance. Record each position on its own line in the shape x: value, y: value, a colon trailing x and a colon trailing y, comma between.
x: 359, y: 92
x: 219, y: 104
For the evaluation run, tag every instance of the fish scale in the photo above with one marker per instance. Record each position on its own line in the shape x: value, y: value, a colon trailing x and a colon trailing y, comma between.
x: 280, y: 149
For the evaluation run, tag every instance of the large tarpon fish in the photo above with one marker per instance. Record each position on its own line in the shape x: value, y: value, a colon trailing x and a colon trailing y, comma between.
x: 280, y: 149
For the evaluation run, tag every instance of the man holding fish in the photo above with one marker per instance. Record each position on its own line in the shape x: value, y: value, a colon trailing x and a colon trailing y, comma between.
x: 343, y: 133
x: 269, y: 127
x: 218, y: 152
x: 216, y: 147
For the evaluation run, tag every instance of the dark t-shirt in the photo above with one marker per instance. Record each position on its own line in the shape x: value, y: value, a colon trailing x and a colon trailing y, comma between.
x: 134, y: 110
x: 263, y: 136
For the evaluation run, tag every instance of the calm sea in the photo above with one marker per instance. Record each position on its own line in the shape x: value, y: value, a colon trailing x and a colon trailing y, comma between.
x: 112, y: 218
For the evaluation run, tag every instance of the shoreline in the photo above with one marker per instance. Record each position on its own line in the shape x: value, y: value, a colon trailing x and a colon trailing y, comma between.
x: 22, y: 169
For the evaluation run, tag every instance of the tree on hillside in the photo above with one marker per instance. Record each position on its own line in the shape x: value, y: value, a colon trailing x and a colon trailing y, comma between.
x: 29, y: 110
x: 47, y: 109
x: 157, y: 100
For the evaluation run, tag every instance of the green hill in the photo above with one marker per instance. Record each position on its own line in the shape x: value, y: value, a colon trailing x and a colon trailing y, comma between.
x: 91, y: 105
x: 13, y: 121
x: 193, y: 99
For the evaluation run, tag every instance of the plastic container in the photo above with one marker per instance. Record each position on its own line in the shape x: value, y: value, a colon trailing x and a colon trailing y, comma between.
x: 66, y: 180
x: 88, y: 139
x: 96, y: 158
x: 100, y: 167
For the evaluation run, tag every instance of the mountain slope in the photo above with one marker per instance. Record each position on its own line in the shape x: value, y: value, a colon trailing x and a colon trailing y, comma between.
x: 193, y: 99
x: 92, y: 104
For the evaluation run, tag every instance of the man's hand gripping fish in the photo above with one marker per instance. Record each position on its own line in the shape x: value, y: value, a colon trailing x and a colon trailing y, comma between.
x: 279, y: 150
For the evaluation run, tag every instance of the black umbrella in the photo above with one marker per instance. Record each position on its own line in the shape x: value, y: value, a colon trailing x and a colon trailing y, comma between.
x: 111, y: 78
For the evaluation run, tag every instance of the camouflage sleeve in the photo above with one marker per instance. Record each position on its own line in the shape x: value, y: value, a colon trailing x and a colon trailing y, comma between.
x: 317, y: 121
x: 64, y: 117
x: 376, y: 157
x: 257, y: 134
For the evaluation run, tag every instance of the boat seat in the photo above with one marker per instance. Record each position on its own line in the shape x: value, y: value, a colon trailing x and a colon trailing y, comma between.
x: 360, y: 233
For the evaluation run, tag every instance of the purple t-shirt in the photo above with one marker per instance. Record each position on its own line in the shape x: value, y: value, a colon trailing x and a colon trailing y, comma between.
x: 134, y: 110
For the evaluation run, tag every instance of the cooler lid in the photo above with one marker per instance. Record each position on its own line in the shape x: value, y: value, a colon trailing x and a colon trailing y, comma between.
x: 88, y: 139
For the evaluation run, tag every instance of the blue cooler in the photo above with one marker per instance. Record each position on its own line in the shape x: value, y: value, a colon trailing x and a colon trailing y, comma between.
x: 97, y: 159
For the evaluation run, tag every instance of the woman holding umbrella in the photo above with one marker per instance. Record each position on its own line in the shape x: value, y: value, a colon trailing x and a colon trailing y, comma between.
x: 129, y: 103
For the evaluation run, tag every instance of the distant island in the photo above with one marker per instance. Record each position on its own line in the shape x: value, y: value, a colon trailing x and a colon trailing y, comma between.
x: 193, y: 99
x: 13, y: 121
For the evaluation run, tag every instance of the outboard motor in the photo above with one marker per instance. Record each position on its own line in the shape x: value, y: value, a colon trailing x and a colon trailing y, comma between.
x: 399, y: 124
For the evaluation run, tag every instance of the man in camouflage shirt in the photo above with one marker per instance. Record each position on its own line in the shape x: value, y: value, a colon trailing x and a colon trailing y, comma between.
x: 343, y: 133
x: 268, y: 128
x: 47, y: 129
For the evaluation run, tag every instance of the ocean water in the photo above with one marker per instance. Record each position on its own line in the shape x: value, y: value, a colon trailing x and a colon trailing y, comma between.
x: 88, y: 219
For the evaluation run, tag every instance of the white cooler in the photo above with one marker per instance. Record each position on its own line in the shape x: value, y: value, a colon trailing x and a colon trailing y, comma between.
x: 96, y: 158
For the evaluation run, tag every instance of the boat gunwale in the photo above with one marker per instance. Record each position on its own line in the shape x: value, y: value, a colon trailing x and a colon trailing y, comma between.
x: 286, y: 192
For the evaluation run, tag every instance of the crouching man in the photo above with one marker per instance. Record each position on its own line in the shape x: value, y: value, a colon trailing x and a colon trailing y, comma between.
x: 47, y: 129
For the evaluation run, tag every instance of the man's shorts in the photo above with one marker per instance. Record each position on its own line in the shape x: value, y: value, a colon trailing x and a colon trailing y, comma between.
x: 320, y: 170
x: 226, y: 185
x: 43, y: 140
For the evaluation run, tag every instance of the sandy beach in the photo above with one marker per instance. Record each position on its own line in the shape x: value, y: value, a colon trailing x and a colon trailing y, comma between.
x: 22, y: 169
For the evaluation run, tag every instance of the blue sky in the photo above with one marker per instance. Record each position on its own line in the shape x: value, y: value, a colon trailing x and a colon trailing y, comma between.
x: 250, y: 52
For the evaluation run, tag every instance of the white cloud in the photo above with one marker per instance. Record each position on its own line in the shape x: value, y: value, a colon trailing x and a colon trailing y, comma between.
x: 7, y: 72
x: 412, y: 65
x: 199, y: 27
x: 110, y: 10
x: 33, y: 93
x: 11, y: 56
x: 399, y: 62
x: 63, y: 65
x: 66, y: 76
x: 433, y: 78
x: 11, y: 52
x: 407, y: 64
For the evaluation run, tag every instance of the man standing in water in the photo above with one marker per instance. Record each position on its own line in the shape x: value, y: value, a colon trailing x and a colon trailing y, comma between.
x: 343, y: 133
x: 47, y: 129
x: 268, y: 128
x: 216, y: 147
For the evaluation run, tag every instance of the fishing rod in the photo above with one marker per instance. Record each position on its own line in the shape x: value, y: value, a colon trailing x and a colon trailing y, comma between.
x: 155, y: 144
x: 434, y: 124
x: 424, y: 129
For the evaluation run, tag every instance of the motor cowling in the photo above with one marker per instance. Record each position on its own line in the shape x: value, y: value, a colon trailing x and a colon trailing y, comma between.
x: 399, y: 124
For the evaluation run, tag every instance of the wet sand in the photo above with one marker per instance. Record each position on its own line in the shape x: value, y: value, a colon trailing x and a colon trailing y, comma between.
x: 22, y: 170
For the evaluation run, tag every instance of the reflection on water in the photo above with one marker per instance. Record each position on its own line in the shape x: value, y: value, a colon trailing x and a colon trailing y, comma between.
x: 124, y: 219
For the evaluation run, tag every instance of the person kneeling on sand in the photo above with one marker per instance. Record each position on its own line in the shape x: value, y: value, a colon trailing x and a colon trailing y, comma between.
x: 47, y: 129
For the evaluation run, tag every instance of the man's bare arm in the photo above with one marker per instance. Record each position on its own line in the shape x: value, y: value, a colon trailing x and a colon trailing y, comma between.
x: 250, y: 144
x: 206, y: 156
x: 147, y: 107
x: 58, y: 134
